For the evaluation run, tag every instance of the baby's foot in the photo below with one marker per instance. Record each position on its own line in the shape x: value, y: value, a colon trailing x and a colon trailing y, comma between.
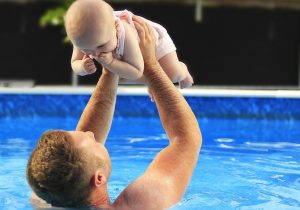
x: 186, y: 82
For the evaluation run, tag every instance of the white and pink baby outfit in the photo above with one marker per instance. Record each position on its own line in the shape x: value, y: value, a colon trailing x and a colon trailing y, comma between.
x: 164, y: 43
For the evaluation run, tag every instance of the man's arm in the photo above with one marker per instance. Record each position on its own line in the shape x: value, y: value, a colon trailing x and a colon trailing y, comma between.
x: 98, y: 113
x: 167, y: 177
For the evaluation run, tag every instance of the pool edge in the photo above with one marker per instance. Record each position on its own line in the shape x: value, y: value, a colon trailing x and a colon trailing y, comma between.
x: 141, y: 91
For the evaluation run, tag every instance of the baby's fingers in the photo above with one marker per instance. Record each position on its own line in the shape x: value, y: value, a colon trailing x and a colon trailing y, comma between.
x: 85, y: 56
x: 91, y: 69
x: 90, y: 65
x: 88, y: 61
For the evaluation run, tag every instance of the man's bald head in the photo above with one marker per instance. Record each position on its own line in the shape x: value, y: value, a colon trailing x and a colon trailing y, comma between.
x: 88, y: 17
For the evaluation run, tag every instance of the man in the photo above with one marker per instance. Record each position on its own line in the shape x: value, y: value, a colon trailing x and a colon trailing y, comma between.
x: 72, y: 168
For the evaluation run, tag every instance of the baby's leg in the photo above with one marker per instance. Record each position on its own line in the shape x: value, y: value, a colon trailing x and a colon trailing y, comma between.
x: 188, y: 81
x: 176, y: 70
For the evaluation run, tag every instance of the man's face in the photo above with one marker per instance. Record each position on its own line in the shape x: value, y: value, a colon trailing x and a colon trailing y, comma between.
x: 86, y: 142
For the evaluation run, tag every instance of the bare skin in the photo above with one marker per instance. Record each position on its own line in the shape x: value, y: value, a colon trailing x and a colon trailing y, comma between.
x: 94, y: 35
x: 162, y: 185
x: 91, y: 134
x: 86, y: 31
x: 162, y: 182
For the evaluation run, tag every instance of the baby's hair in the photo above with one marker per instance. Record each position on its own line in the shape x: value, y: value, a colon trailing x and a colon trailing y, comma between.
x: 82, y: 15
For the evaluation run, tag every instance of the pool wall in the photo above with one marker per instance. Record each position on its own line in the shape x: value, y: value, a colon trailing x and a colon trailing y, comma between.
x: 136, y: 102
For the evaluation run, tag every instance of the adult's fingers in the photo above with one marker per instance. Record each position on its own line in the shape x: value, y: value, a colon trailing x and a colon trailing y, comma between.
x: 138, y: 19
x: 144, y: 29
x: 143, y: 23
x: 140, y: 29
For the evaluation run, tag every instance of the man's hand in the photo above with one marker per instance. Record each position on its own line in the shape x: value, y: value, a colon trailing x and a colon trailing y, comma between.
x: 147, y: 41
x: 88, y: 65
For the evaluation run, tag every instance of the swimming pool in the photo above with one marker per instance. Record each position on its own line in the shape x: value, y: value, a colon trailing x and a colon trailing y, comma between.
x: 250, y: 158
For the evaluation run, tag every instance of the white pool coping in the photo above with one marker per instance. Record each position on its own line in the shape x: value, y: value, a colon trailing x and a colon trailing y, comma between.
x: 141, y: 91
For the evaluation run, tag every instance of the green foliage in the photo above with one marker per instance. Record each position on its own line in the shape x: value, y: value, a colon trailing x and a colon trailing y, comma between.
x: 55, y: 16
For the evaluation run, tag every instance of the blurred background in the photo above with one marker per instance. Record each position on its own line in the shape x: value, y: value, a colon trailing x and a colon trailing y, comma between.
x: 245, y: 43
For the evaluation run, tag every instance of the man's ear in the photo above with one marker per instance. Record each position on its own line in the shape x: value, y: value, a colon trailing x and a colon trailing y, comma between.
x: 98, y: 179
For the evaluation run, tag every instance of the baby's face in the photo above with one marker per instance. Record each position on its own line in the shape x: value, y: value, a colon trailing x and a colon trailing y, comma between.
x: 97, y: 41
x: 90, y: 25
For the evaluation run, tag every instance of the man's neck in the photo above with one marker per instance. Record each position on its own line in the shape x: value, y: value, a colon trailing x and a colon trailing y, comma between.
x: 100, y: 197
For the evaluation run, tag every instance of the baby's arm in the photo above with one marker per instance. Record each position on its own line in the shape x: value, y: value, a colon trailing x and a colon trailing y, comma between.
x: 131, y: 66
x: 81, y: 63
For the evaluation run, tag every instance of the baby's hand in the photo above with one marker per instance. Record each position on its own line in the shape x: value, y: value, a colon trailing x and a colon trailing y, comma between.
x: 88, y: 65
x: 105, y: 58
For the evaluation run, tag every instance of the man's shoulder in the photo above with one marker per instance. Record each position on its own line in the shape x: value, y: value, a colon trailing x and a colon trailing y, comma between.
x: 144, y: 193
x: 128, y: 197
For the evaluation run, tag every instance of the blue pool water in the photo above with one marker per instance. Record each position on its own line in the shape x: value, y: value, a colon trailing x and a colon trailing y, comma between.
x: 250, y: 158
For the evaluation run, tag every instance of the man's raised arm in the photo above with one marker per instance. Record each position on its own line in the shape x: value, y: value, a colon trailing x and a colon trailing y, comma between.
x: 167, y: 177
x: 98, y: 113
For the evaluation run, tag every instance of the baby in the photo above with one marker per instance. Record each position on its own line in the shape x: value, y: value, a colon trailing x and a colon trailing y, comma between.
x: 97, y: 32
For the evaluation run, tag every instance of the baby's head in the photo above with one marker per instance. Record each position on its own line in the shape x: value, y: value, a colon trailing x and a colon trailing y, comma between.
x: 90, y: 25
